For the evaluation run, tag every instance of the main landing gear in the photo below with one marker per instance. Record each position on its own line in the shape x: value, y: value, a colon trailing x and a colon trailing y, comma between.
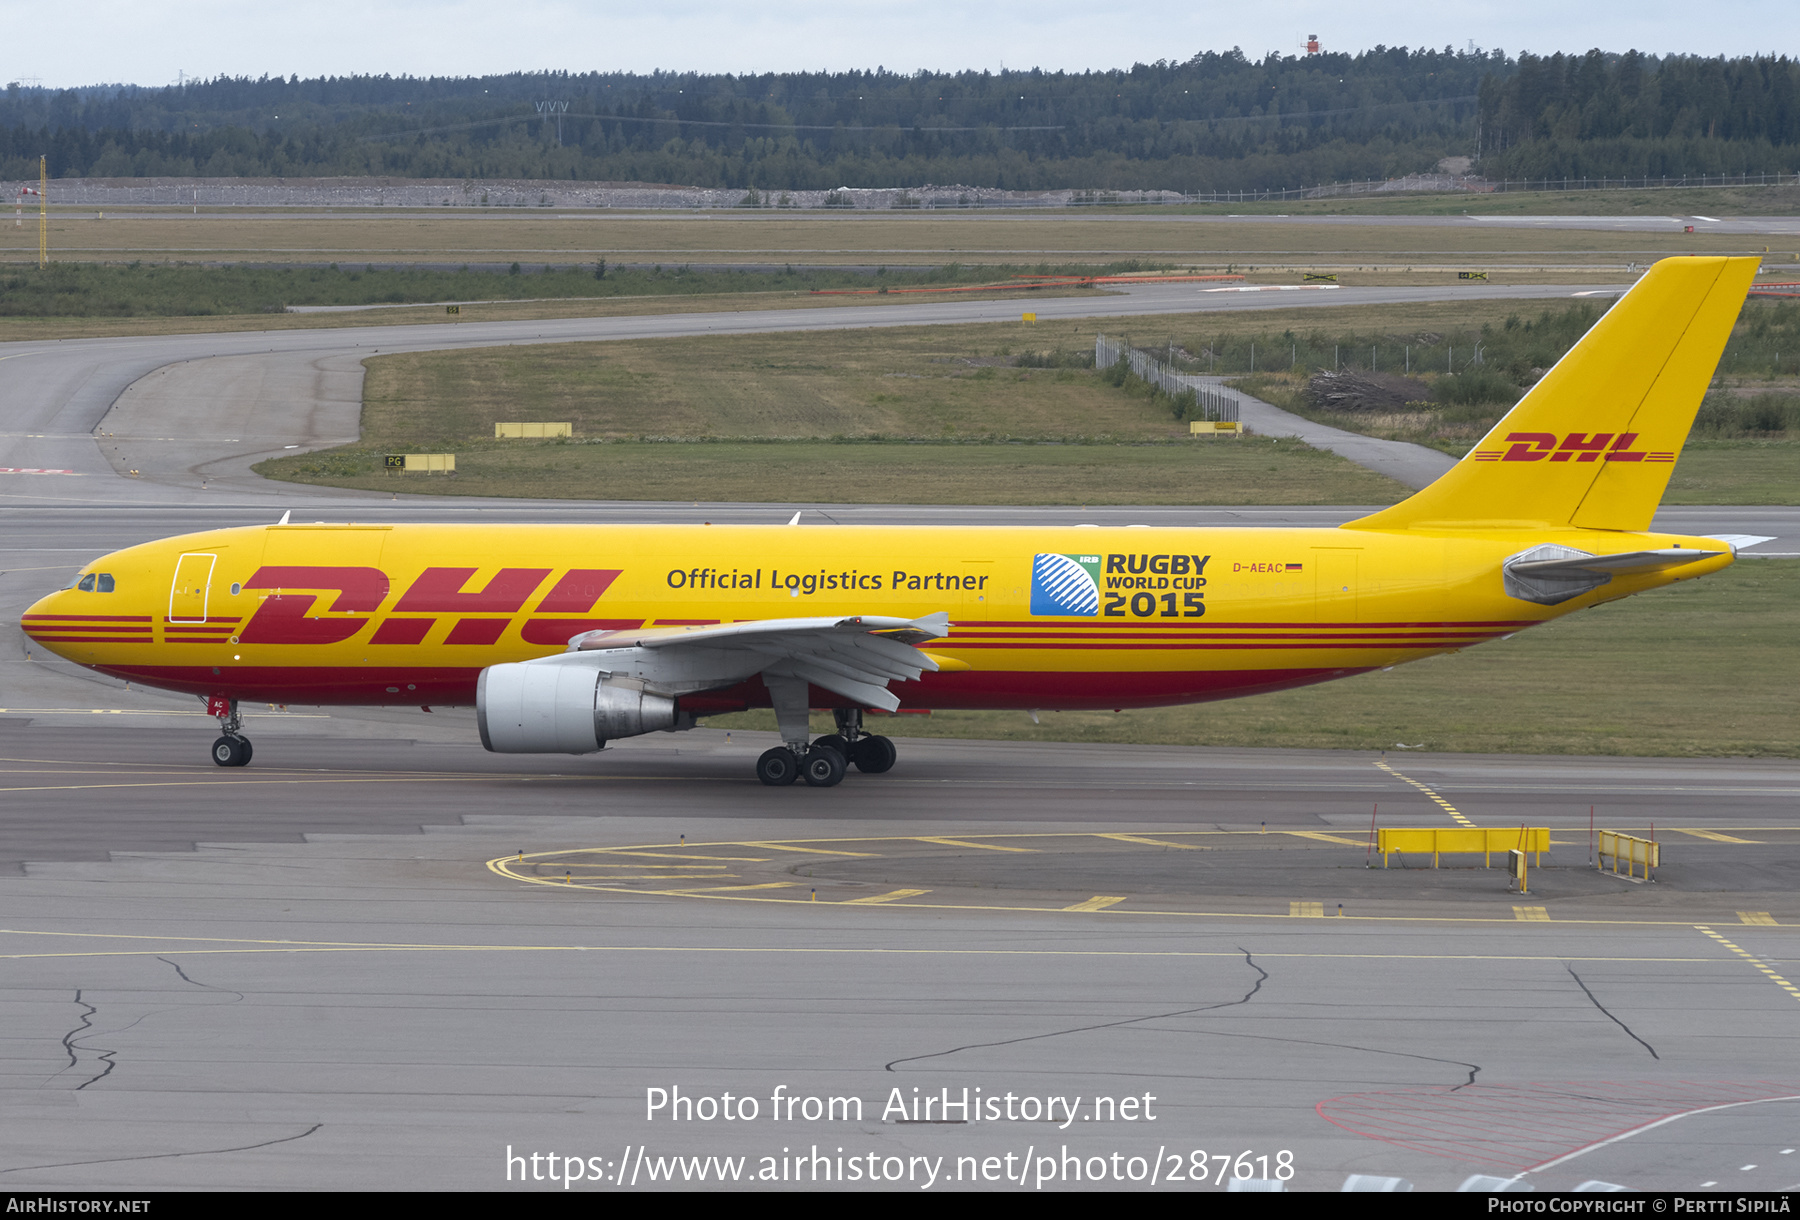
x: 232, y: 749
x: 823, y: 763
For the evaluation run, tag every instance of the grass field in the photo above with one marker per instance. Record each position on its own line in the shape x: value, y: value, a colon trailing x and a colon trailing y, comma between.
x: 15, y: 329
x: 891, y: 238
x: 1706, y: 667
x: 910, y: 415
x: 801, y: 472
x: 1736, y: 472
x: 1711, y: 471
x: 912, y: 383
x: 77, y: 289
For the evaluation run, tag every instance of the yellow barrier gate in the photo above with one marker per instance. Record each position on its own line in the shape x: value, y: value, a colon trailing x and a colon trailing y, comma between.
x: 429, y: 463
x: 1632, y: 849
x: 1484, y: 839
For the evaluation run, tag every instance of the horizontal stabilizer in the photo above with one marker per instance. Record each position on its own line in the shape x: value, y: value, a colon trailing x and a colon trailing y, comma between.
x: 1629, y: 561
x: 1552, y: 574
x: 1739, y: 542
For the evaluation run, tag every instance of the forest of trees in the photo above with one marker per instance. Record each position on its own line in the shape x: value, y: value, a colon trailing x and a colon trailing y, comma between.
x: 1597, y: 115
x: 1217, y: 121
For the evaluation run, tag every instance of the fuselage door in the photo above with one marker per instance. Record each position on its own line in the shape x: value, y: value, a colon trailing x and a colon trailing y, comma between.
x: 188, y: 592
x: 1334, y: 584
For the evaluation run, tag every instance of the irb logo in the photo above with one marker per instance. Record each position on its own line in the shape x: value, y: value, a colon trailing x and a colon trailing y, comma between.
x: 1575, y: 446
x: 1065, y: 584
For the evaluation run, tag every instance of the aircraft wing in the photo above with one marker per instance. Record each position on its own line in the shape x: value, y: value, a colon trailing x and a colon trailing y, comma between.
x: 855, y: 657
x: 902, y: 630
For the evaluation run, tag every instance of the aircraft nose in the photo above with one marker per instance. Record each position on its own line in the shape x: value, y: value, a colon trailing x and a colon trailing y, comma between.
x: 66, y: 620
x: 44, y: 623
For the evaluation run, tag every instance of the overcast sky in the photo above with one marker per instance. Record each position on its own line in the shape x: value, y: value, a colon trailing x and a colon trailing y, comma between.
x: 150, y: 42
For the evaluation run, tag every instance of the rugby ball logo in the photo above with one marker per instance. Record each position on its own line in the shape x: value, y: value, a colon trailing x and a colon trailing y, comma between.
x: 1065, y: 584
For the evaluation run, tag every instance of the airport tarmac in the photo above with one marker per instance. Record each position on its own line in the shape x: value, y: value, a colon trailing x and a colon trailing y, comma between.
x: 380, y: 958
x: 353, y: 979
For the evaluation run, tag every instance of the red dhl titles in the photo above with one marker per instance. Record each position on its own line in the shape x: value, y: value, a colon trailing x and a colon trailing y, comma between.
x: 1576, y: 446
x: 289, y: 618
x: 285, y: 617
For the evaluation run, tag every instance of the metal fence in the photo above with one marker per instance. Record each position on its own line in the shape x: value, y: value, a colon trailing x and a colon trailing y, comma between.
x: 547, y: 193
x: 1211, y: 404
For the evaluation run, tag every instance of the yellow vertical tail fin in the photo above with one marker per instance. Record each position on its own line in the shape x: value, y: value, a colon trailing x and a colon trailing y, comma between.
x: 1594, y: 442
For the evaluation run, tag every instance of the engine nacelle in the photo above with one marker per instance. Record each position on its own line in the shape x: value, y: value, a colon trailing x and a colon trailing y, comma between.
x: 562, y: 709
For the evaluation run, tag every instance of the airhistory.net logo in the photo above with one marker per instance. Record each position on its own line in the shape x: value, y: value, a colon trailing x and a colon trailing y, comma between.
x: 1065, y: 584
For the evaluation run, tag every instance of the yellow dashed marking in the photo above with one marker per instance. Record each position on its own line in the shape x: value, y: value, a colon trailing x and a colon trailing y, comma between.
x: 1713, y: 835
x: 716, y: 868
x: 1751, y: 958
x: 891, y: 896
x: 522, y: 868
x: 1322, y: 837
x: 660, y: 876
x: 237, y: 945
x: 1153, y: 842
x: 1099, y: 902
x: 675, y: 855
x: 810, y: 851
x: 1445, y: 805
x: 966, y: 843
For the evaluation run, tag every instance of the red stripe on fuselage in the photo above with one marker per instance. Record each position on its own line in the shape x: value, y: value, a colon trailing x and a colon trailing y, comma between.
x: 1208, y: 646
x: 86, y: 618
x: 974, y: 690
x: 1199, y: 637
x: 974, y: 624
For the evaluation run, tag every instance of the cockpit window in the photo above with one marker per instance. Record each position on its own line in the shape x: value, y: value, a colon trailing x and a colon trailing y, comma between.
x: 86, y: 584
x: 106, y: 582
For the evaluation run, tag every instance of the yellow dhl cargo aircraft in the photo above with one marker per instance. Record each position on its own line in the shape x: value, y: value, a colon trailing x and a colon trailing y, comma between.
x: 566, y: 637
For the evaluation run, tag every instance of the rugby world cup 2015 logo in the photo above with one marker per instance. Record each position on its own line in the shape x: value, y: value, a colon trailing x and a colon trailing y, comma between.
x: 1065, y: 584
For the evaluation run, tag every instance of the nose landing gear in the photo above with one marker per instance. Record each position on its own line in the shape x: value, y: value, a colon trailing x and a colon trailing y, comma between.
x: 232, y: 749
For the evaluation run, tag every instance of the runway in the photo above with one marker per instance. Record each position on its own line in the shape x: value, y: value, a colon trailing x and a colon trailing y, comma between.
x: 382, y: 959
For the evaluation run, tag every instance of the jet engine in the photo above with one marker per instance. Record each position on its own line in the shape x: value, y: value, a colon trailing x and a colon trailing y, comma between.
x: 564, y: 709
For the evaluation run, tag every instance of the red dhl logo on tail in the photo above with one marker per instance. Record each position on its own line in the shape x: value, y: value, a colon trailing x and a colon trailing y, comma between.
x: 1574, y: 447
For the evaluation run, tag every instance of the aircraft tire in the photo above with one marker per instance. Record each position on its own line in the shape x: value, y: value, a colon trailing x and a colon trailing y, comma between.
x: 833, y: 741
x: 230, y: 752
x: 873, y: 755
x: 777, y: 768
x: 822, y: 767
x: 249, y: 750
